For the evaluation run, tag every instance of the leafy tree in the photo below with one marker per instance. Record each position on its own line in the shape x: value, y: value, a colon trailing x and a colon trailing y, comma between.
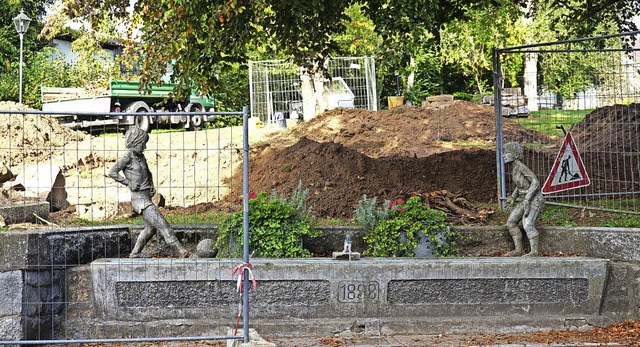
x: 568, y: 73
x: 469, y: 42
x: 583, y: 18
x: 359, y: 37
x: 198, y: 34
x: 204, y: 39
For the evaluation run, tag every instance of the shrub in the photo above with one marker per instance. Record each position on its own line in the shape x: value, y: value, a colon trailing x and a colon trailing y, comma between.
x: 368, y: 214
x: 394, y: 229
x: 463, y: 96
x: 276, y: 227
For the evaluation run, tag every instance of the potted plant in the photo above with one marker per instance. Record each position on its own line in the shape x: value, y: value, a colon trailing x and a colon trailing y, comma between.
x: 405, y: 229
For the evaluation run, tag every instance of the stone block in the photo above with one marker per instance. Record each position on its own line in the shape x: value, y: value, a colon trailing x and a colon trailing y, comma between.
x: 439, y: 98
x: 24, y: 212
x: 255, y: 340
x: 10, y: 328
x: 68, y: 247
x: 10, y: 305
x: 10, y: 293
x: 597, y: 242
x: 346, y: 255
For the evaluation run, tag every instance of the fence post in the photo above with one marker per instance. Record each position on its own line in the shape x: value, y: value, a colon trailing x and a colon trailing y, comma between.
x: 245, y: 216
x: 497, y: 94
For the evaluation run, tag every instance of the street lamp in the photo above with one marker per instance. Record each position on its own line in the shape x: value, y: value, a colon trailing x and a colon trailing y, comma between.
x: 22, y: 24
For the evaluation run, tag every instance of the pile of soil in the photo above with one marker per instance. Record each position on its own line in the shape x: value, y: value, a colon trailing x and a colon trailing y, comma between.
x: 28, y: 138
x: 612, y: 128
x: 344, y: 154
x: 411, y: 131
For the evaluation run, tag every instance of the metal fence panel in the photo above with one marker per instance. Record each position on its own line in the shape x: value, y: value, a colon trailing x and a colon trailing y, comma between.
x: 52, y: 290
x: 280, y: 89
x: 589, y: 87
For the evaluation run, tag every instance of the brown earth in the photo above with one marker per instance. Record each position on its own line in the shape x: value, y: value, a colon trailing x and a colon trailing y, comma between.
x: 614, y: 128
x: 344, y: 154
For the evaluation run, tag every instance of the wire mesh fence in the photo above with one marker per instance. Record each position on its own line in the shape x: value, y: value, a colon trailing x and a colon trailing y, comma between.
x: 281, y: 90
x: 63, y: 211
x: 588, y: 87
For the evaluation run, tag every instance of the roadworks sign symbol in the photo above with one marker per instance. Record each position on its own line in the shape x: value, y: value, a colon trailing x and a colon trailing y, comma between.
x: 568, y: 171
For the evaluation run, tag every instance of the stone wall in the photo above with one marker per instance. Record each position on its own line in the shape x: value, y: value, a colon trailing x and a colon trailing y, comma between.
x: 62, y: 284
x: 324, y: 296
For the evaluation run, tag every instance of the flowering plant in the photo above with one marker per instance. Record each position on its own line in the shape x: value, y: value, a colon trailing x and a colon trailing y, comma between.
x: 395, y: 229
x: 276, y: 227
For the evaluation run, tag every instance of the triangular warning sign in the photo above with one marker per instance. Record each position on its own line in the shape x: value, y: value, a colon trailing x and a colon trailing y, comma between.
x: 568, y: 171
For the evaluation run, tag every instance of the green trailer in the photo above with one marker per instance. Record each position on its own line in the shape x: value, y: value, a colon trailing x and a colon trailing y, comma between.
x: 79, y: 108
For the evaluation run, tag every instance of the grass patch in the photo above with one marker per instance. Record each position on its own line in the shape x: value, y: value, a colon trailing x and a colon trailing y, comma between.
x: 547, y: 121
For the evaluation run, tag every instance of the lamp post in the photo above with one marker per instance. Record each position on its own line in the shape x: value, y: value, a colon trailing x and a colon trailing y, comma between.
x: 22, y: 24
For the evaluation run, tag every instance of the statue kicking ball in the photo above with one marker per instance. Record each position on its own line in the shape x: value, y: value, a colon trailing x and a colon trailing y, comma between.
x: 139, y: 180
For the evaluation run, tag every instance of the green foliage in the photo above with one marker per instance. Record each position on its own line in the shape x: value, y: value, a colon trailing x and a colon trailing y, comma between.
x: 231, y: 91
x: 368, y: 214
x: 627, y: 221
x: 224, y: 121
x: 468, y: 42
x: 394, y: 229
x: 359, y: 38
x: 463, y: 96
x: 276, y: 227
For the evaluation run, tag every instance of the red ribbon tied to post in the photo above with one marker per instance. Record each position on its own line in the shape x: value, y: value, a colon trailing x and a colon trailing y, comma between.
x: 240, y: 268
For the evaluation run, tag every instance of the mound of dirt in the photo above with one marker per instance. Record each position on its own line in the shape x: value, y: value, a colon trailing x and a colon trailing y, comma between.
x: 30, y: 138
x: 616, y: 128
x: 411, y: 131
x: 344, y: 154
x: 338, y: 176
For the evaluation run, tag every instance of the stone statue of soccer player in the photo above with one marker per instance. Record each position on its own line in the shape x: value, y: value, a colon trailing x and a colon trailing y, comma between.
x: 139, y: 180
x: 526, y: 201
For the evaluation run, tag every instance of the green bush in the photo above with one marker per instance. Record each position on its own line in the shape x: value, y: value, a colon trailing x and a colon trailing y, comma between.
x: 276, y: 227
x: 224, y: 121
x: 463, y: 96
x: 386, y: 225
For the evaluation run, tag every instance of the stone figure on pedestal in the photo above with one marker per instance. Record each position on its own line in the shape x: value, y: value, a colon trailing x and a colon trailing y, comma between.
x: 526, y: 201
x: 139, y: 180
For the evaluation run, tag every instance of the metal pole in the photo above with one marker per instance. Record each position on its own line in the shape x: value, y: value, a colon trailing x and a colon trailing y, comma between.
x: 21, y: 40
x: 497, y: 92
x: 245, y: 217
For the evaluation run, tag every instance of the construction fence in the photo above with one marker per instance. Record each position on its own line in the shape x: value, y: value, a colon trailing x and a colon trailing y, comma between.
x: 281, y: 90
x: 588, y: 88
x: 53, y: 287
